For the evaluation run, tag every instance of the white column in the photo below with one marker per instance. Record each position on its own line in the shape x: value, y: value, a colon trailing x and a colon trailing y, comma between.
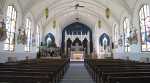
x: 89, y: 47
x: 88, y: 37
x: 65, y: 42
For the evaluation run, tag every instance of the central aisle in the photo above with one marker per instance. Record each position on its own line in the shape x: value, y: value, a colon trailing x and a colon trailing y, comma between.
x: 77, y: 73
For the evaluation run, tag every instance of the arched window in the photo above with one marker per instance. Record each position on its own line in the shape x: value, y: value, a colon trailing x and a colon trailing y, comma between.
x: 37, y: 36
x: 11, y: 18
x: 28, y: 33
x: 115, y: 34
x: 126, y: 28
x: 144, y: 15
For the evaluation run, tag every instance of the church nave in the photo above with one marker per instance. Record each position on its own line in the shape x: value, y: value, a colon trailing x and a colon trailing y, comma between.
x: 74, y: 41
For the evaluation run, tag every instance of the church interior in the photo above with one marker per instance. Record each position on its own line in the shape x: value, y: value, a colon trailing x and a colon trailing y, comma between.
x: 75, y: 41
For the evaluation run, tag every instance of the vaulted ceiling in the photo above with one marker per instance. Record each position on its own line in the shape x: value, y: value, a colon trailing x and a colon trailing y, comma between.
x: 65, y: 12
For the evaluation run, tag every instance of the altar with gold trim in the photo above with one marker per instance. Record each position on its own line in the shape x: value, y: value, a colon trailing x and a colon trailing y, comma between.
x: 77, y: 56
x: 77, y: 53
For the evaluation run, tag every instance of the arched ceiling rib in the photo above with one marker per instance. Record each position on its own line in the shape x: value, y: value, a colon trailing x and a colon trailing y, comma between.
x: 68, y: 4
x: 86, y: 12
x: 96, y: 8
x: 64, y: 7
x: 84, y: 18
x: 64, y: 17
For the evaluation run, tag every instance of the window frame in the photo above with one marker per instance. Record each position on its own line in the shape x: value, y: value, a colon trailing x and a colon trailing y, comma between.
x: 9, y: 43
x: 28, y: 33
x: 144, y: 26
x: 37, y: 37
x: 115, y: 34
x: 126, y: 31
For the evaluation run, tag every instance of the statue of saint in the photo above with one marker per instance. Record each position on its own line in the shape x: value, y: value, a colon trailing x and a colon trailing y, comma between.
x: 77, y: 47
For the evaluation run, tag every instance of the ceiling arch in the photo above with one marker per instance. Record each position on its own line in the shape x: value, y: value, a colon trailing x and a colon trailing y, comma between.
x: 95, y: 8
x: 68, y: 4
x: 68, y: 17
x: 87, y: 15
x: 89, y: 5
x: 60, y: 11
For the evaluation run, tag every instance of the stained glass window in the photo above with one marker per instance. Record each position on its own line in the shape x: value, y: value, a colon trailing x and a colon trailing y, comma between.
x: 115, y: 34
x: 144, y: 15
x: 11, y: 17
x: 126, y: 28
x: 37, y: 37
x: 28, y: 33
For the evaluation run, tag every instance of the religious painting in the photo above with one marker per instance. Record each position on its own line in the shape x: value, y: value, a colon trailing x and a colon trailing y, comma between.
x: 3, y: 34
x: 22, y: 38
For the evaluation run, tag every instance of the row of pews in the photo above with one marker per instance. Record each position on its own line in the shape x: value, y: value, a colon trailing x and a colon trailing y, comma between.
x: 34, y: 71
x: 118, y: 71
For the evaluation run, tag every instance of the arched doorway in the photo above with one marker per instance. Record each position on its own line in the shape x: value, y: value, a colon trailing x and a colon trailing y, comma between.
x: 80, y: 36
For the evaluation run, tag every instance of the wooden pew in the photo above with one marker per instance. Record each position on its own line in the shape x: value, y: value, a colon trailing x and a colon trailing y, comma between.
x: 102, y: 70
x: 129, y: 79
x: 33, y: 71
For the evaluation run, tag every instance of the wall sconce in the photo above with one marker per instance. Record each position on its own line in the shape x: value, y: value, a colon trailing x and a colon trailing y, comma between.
x: 107, y: 13
x: 54, y: 24
x: 46, y: 12
x: 99, y: 23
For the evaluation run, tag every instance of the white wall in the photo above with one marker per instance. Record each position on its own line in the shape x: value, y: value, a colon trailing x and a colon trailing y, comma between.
x: 98, y: 31
x: 19, y: 53
x: 135, y: 53
x: 46, y: 27
x: 55, y: 31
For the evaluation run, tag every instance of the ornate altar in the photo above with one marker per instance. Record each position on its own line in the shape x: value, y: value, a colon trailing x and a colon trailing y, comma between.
x: 77, y: 53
